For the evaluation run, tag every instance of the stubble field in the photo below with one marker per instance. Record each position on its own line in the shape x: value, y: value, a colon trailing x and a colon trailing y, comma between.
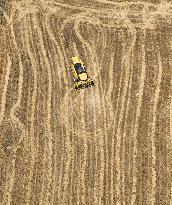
x: 109, y: 144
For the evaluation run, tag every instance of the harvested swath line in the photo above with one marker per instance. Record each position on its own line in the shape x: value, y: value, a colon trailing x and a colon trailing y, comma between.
x: 55, y: 59
x: 117, y: 5
x: 116, y: 113
x: 110, y: 111
x: 79, y: 193
x: 112, y: 72
x: 109, y: 104
x: 124, y: 135
x: 57, y: 84
x: 77, y: 96
x: 59, y: 198
x: 9, y: 184
x: 113, y: 169
x: 156, y: 98
x: 108, y: 159
x: 101, y: 145
x: 140, y: 95
x: 52, y: 91
x: 66, y: 175
x: 87, y: 45
x: 126, y: 63
x: 3, y: 99
x: 19, y: 170
x: 95, y: 152
x: 40, y: 110
x: 82, y: 133
x: 162, y: 124
x: 20, y: 84
x: 83, y: 167
x: 34, y: 96
x: 144, y: 141
x: 88, y: 174
x: 90, y: 101
x: 40, y: 114
x: 57, y: 46
x: 4, y: 60
x: 65, y: 60
x: 47, y: 152
x: 73, y: 163
x: 78, y: 151
x: 131, y: 117
x: 68, y: 150
x: 90, y: 48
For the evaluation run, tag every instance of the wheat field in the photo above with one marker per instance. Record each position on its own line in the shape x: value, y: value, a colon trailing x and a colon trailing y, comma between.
x: 110, y: 144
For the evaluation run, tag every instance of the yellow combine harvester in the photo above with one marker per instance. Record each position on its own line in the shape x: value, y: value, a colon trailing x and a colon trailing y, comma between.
x: 81, y: 78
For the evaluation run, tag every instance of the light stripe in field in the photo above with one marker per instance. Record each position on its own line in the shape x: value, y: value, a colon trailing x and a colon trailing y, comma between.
x: 95, y: 151
x: 60, y: 179
x: 14, y: 119
x: 111, y: 113
x: 59, y: 55
x: 115, y: 118
x: 20, y: 83
x: 57, y: 61
x: 87, y: 45
x: 68, y: 152
x: 64, y: 179
x: 96, y: 100
x: 83, y: 138
x: 54, y: 93
x: 114, y: 129
x: 73, y: 158
x: 98, y: 144
x: 109, y: 104
x: 105, y: 11
x: 103, y: 141
x: 84, y: 156
x: 3, y: 100
x: 32, y: 135
x: 156, y: 99
x: 93, y: 58
x: 47, y: 156
x: 125, y: 128
x: 135, y: 131
x: 133, y: 32
x: 125, y: 64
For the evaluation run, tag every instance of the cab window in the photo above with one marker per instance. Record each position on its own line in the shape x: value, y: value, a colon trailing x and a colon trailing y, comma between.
x: 79, y: 68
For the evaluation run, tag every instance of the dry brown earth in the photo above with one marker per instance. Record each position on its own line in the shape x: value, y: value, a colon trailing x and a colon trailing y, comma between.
x: 110, y: 144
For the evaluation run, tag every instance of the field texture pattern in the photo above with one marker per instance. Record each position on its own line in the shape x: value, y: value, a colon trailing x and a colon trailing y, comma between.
x: 106, y: 145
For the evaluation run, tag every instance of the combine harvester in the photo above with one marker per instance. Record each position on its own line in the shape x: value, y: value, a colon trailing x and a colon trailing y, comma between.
x: 81, y: 78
